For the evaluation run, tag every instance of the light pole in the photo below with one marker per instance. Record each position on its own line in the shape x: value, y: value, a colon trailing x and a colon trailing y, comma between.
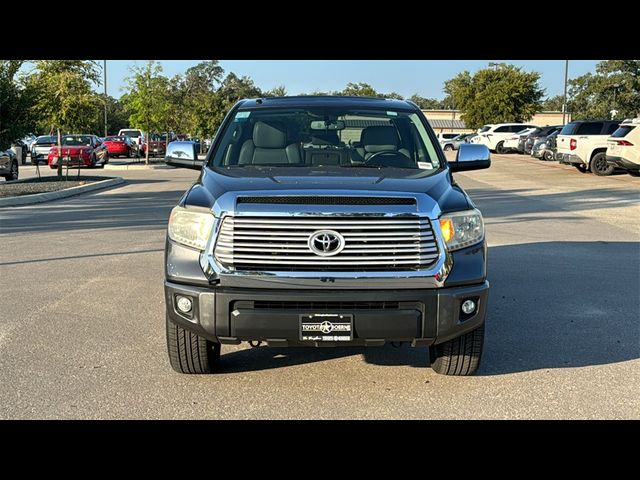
x: 104, y: 72
x: 564, y: 96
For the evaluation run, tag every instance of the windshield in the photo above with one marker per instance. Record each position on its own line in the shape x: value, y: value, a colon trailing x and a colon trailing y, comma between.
x: 326, y: 137
x: 76, y: 140
x: 131, y: 133
x: 46, y: 140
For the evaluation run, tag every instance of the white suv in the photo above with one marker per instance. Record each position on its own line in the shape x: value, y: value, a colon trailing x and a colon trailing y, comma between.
x: 623, y: 147
x: 494, y: 135
x: 446, y: 140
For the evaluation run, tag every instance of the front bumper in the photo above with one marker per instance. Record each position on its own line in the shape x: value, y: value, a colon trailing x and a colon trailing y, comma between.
x: 420, y: 316
x: 622, y: 163
x: 71, y: 161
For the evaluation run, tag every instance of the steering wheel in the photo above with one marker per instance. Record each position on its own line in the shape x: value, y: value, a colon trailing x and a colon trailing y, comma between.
x: 398, y: 159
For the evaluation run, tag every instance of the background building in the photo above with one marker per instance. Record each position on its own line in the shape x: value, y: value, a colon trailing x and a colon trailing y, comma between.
x: 449, y: 120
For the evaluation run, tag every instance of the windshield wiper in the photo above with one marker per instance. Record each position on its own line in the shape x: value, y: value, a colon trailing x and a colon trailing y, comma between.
x: 362, y: 165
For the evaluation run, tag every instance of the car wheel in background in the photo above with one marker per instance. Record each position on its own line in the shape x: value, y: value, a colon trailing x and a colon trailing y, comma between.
x: 93, y: 161
x: 599, y: 165
x: 582, y: 168
x: 548, y: 155
x: 13, y: 173
x: 500, y: 148
x: 459, y: 356
x: 448, y: 148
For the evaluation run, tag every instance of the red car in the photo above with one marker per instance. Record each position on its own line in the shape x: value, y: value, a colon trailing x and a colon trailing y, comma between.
x: 83, y: 150
x: 158, y: 145
x: 119, y: 145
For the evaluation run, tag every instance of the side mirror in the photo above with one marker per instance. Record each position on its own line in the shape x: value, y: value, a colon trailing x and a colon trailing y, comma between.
x: 183, y: 155
x: 471, y: 156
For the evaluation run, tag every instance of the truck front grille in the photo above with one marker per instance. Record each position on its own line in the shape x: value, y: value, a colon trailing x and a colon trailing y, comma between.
x: 370, y: 243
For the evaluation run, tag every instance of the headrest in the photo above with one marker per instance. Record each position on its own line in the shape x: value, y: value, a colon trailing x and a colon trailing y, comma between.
x: 268, y: 136
x: 379, y: 138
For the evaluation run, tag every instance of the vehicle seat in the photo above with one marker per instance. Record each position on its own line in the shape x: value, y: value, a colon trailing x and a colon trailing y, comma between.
x: 268, y: 145
x: 380, y: 138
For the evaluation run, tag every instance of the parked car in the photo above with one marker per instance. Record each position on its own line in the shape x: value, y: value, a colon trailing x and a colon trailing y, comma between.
x: 446, y: 140
x: 286, y: 243
x: 515, y: 143
x: 583, y: 144
x: 538, y: 134
x: 29, y: 139
x: 40, y: 148
x: 623, y: 147
x: 79, y: 150
x: 8, y: 165
x: 157, y: 145
x: 120, y: 146
x: 136, y: 136
x: 20, y: 146
x: 545, y: 148
x: 494, y: 135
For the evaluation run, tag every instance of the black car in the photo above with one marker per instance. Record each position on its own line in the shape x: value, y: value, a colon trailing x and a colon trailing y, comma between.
x: 326, y: 221
x: 538, y: 134
x: 8, y: 165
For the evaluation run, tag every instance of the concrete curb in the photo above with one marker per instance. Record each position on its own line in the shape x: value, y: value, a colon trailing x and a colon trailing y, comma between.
x: 135, y: 166
x: 69, y: 192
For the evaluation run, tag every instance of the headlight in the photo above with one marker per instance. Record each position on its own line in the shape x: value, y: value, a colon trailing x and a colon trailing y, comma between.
x: 190, y: 228
x: 461, y: 229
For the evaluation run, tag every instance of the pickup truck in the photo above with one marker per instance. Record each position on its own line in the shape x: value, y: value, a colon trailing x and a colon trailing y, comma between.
x: 583, y: 144
x: 326, y: 221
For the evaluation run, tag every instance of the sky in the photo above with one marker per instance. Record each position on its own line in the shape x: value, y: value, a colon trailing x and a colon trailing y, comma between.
x: 406, y: 77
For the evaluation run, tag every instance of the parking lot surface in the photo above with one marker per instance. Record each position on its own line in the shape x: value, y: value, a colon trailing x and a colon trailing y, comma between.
x: 82, y: 318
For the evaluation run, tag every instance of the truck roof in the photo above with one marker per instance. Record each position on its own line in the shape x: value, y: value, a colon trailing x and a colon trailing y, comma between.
x: 327, y: 101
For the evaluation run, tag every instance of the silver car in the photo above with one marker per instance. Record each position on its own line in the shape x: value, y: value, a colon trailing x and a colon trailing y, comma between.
x: 40, y: 148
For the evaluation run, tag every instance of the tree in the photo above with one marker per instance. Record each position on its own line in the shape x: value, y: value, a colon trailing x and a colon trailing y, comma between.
x: 278, y: 91
x: 426, y: 103
x: 148, y: 99
x: 63, y: 96
x: 504, y: 94
x: 614, y: 86
x: 15, y: 101
x: 553, y: 104
x: 360, y: 90
x: 393, y: 95
x: 232, y: 89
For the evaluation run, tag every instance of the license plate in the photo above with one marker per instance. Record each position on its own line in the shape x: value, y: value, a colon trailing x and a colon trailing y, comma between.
x: 326, y: 327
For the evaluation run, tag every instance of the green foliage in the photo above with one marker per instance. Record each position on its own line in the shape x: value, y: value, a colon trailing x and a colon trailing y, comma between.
x: 614, y: 86
x: 503, y: 94
x: 360, y: 90
x: 426, y: 103
x: 278, y: 91
x: 15, y: 101
x: 63, y: 97
x: 148, y: 99
x: 232, y: 89
x: 552, y: 104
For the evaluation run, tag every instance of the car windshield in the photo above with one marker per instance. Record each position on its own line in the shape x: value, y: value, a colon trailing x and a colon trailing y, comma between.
x: 46, y: 140
x: 484, y: 129
x: 322, y: 137
x: 114, y: 139
x: 76, y: 140
x: 131, y: 133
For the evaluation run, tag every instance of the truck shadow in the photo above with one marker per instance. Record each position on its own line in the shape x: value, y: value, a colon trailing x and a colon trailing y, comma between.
x: 552, y: 305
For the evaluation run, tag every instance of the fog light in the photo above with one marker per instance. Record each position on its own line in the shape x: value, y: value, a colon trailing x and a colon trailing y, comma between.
x: 468, y: 306
x: 184, y: 304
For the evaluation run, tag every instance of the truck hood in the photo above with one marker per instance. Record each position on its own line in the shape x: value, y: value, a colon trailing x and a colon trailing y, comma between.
x: 213, y: 183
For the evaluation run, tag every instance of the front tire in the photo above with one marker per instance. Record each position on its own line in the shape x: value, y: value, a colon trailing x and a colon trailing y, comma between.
x: 13, y: 173
x: 547, y: 156
x: 599, y: 165
x: 189, y: 352
x: 448, y: 148
x: 459, y: 356
x: 500, y: 148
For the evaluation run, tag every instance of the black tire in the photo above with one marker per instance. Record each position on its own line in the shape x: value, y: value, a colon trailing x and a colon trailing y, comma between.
x: 582, y: 168
x: 500, y: 148
x: 189, y: 352
x: 13, y: 175
x: 448, y: 148
x: 599, y: 166
x: 547, y: 156
x: 460, y: 356
x: 93, y: 162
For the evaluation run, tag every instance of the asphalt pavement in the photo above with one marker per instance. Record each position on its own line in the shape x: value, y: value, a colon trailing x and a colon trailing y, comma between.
x: 82, y: 317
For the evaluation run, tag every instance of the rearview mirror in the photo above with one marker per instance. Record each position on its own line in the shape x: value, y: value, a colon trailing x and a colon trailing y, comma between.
x: 183, y: 155
x: 327, y: 125
x: 471, y: 156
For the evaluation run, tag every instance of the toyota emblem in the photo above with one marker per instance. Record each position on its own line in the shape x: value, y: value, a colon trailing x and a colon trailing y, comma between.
x: 326, y: 243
